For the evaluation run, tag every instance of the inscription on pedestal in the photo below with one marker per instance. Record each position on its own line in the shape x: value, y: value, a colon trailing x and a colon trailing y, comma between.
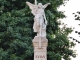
x: 39, y: 56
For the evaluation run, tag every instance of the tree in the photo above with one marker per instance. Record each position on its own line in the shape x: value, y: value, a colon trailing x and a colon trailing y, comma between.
x: 77, y: 17
x: 16, y: 33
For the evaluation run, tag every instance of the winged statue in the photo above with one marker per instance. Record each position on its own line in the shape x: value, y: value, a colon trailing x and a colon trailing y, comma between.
x: 40, y: 21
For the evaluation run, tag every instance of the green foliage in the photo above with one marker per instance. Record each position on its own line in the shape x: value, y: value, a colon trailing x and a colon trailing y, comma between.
x: 77, y: 15
x: 16, y: 31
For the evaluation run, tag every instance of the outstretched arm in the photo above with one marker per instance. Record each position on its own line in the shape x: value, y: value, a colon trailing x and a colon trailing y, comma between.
x: 46, y: 5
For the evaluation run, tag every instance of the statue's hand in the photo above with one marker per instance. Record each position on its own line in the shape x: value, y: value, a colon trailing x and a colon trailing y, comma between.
x: 49, y: 3
x: 46, y: 22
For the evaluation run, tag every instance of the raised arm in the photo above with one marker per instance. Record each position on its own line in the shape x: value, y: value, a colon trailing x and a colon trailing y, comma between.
x: 46, y: 5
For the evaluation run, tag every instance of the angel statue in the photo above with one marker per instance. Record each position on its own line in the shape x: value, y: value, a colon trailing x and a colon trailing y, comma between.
x: 40, y: 21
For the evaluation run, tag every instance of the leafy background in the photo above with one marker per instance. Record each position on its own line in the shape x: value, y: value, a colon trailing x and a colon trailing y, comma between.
x: 16, y: 33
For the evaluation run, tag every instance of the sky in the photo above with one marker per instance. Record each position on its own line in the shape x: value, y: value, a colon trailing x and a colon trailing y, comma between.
x: 72, y: 6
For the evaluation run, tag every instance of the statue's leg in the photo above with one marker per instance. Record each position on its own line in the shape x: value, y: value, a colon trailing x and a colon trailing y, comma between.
x: 41, y: 21
x: 37, y: 25
x: 40, y: 31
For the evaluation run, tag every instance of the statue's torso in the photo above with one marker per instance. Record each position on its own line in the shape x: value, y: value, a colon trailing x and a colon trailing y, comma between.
x: 37, y: 11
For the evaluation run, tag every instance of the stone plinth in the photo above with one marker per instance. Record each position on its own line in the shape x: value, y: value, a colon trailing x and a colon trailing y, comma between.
x: 40, y: 48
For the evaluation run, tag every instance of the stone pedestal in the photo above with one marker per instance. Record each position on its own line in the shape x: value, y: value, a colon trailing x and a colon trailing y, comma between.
x: 40, y: 48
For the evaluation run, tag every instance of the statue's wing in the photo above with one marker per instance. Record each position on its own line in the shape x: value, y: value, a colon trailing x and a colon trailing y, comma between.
x: 30, y: 5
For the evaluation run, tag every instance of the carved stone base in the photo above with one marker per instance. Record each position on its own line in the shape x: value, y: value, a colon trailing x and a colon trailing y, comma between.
x: 40, y: 48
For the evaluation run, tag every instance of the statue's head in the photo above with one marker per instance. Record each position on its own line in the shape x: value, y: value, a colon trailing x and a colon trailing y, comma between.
x: 40, y: 5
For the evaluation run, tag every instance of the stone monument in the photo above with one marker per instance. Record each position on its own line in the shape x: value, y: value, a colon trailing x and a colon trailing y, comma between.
x: 40, y: 42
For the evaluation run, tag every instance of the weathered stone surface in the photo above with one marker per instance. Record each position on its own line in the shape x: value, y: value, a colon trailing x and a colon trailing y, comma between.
x: 40, y: 54
x: 40, y: 48
x: 40, y: 21
x: 40, y: 42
